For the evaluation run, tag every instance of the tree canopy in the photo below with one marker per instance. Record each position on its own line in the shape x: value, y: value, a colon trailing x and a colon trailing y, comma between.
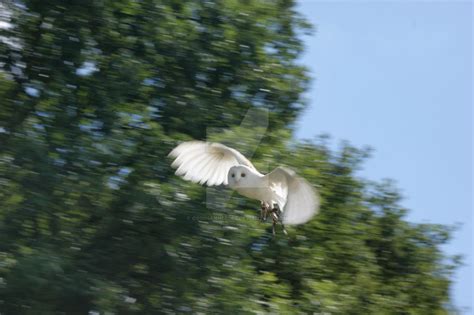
x: 94, y: 95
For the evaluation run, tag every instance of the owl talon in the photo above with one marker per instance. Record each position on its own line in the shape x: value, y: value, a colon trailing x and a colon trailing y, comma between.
x: 275, y: 214
x: 276, y: 219
x: 263, y: 213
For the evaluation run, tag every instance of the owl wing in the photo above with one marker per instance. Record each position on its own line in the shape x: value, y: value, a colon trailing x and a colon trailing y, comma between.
x: 206, y: 162
x: 295, y: 196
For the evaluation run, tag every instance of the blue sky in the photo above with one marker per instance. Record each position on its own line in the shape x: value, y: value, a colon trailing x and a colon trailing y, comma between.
x: 397, y: 76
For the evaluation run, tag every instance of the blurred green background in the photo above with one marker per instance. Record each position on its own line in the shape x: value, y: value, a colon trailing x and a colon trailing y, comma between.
x: 93, y: 96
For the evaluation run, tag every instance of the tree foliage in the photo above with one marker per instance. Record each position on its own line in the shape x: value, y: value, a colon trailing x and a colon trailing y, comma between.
x: 93, y: 96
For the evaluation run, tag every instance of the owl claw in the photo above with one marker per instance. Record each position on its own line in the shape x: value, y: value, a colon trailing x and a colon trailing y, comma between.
x: 263, y: 213
x: 275, y: 214
x: 276, y: 218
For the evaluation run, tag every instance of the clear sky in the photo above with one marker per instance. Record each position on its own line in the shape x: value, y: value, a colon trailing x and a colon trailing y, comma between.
x: 397, y: 76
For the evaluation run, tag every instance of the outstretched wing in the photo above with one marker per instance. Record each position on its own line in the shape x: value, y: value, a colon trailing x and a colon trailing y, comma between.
x: 206, y: 162
x: 295, y: 193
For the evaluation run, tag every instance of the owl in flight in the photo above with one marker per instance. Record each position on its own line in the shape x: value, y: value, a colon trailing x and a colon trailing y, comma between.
x: 284, y: 195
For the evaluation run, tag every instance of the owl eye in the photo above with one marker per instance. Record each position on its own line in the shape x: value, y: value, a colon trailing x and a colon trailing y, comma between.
x: 243, y: 175
x: 233, y: 175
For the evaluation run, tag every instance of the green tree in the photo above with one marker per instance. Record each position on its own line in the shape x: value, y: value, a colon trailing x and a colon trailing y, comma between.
x: 93, y: 96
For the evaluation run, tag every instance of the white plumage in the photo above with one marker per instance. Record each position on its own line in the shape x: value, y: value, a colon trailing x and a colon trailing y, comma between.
x: 216, y: 164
